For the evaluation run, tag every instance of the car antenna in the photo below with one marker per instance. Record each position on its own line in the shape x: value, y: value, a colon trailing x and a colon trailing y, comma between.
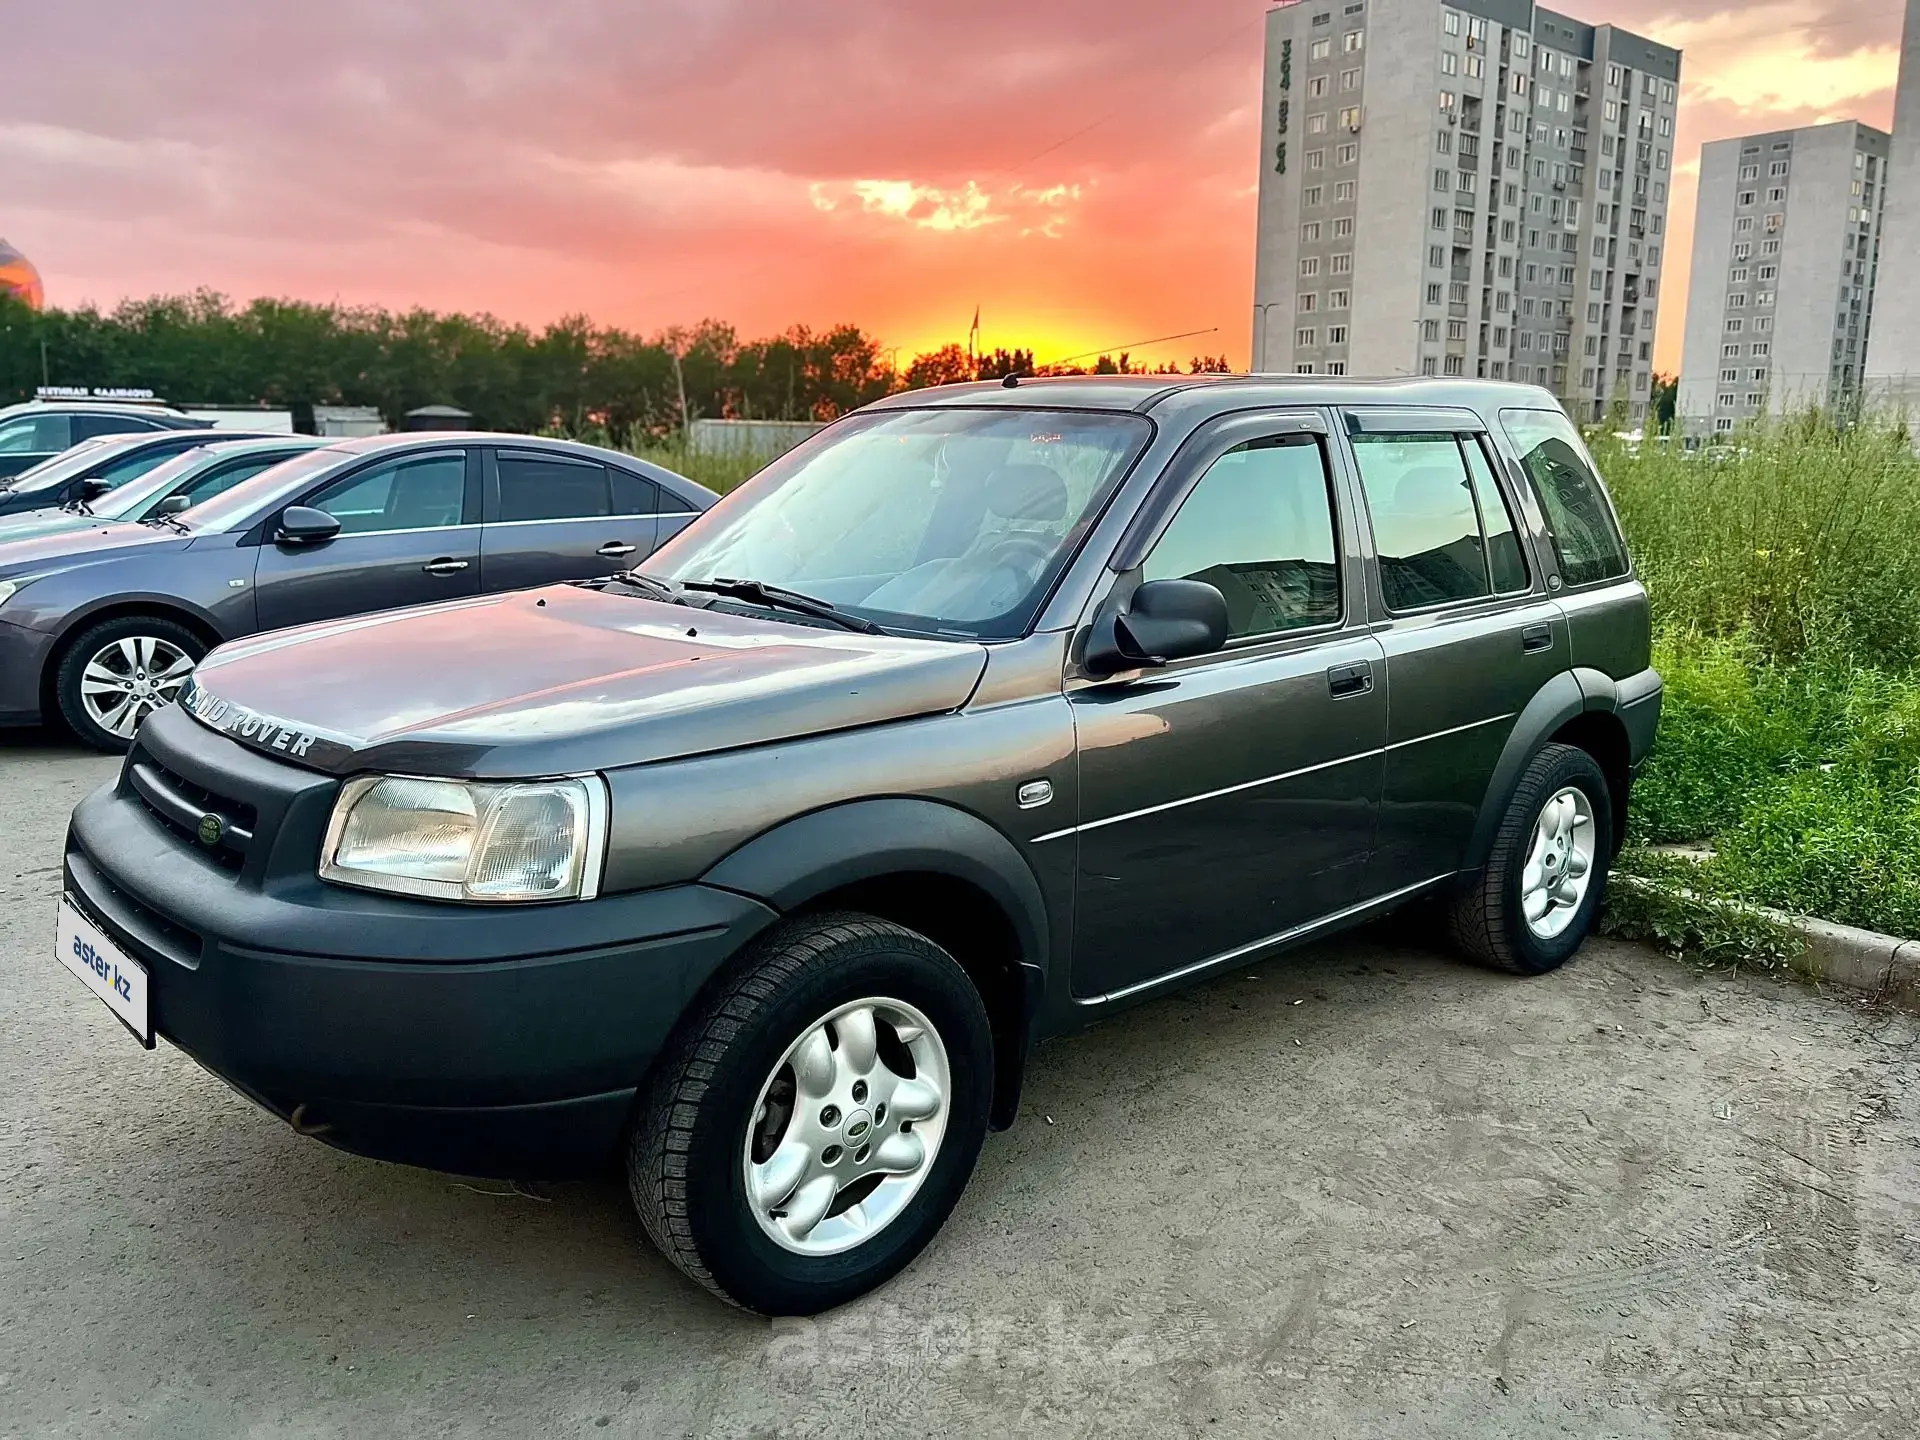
x: 1012, y: 382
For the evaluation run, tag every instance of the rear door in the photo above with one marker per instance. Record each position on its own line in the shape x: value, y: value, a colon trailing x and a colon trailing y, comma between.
x: 1469, y: 632
x: 561, y: 517
x: 408, y: 536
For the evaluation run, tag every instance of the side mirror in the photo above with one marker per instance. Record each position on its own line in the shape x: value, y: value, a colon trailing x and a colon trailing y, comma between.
x: 1164, y: 620
x: 303, y: 525
x: 94, y: 489
x: 174, y: 505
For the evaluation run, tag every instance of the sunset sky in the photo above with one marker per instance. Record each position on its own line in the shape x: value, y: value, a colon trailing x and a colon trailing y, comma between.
x: 1083, y: 170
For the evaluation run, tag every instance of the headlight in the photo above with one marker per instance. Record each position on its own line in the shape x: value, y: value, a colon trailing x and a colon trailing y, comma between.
x: 481, y: 842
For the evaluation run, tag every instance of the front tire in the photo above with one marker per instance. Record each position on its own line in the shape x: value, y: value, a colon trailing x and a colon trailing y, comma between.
x: 1540, y: 894
x: 114, y: 674
x: 815, y: 1121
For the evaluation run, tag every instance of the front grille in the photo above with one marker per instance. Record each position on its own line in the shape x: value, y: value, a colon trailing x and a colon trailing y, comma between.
x: 179, y: 804
x: 134, y: 920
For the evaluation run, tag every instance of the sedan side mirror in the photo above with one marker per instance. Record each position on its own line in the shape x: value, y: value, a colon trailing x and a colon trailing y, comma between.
x: 93, y: 489
x: 303, y: 525
x: 174, y: 505
x: 1164, y: 620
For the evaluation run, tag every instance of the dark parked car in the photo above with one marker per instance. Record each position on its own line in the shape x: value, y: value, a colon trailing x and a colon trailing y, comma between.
x: 41, y: 429
x: 178, y: 482
x: 98, y: 466
x: 985, y: 712
x: 103, y: 625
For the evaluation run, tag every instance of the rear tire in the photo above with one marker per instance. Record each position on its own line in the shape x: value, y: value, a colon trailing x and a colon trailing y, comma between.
x: 114, y: 674
x: 1539, y: 896
x: 768, y: 1123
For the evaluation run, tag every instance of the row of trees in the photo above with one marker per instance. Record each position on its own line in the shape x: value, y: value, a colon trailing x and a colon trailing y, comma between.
x: 573, y: 377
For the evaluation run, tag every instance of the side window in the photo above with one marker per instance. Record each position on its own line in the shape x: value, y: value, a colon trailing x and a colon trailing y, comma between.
x: 132, y: 467
x: 538, y: 487
x: 223, y: 478
x: 34, y: 435
x: 1504, y: 556
x: 86, y: 427
x: 422, y: 494
x: 1585, y: 538
x: 635, y: 494
x: 1259, y: 527
x: 1426, y: 527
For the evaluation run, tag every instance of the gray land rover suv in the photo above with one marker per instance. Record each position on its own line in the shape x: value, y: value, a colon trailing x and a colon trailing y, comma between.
x: 987, y: 711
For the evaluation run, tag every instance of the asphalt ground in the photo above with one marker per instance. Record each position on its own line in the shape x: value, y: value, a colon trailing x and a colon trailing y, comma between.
x: 1360, y: 1190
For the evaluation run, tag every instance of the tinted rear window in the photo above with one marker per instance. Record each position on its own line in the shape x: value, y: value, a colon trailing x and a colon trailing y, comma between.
x: 1585, y: 538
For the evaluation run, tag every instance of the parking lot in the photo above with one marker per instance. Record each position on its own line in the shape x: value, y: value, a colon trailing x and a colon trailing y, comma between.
x: 1358, y: 1191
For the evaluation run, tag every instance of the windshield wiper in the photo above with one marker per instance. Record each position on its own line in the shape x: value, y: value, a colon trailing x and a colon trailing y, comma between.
x: 173, y: 520
x: 78, y: 507
x: 775, y: 597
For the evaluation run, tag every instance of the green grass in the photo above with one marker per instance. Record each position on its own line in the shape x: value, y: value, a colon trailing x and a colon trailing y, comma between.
x: 719, y: 473
x: 1785, y: 580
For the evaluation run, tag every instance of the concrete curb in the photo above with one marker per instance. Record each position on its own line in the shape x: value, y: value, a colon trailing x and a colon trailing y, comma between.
x: 1884, y: 968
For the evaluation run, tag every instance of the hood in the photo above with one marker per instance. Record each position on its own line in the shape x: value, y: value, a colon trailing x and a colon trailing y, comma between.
x: 562, y: 680
x: 38, y: 552
x: 28, y: 524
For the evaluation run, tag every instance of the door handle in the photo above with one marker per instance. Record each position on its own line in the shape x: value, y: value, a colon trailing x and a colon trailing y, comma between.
x: 616, y: 549
x: 1354, y: 679
x: 444, y: 567
x: 1535, y: 638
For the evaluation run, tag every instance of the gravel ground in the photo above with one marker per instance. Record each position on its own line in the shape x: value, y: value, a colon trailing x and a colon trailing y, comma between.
x: 1358, y: 1191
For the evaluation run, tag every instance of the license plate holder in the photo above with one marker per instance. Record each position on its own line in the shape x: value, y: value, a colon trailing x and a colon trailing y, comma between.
x: 115, y: 977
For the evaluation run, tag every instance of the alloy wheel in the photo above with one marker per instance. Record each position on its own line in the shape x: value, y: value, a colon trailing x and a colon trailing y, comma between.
x: 1559, y: 866
x: 127, y: 679
x: 847, y: 1126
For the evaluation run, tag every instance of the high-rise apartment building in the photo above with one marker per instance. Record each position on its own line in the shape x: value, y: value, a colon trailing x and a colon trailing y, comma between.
x: 1893, y: 360
x: 1785, y: 255
x: 1469, y: 188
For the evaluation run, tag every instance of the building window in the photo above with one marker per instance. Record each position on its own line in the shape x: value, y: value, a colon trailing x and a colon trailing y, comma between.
x: 1521, y: 44
x: 1455, y: 364
x: 1311, y: 195
x: 1725, y: 400
x: 1442, y: 181
x: 1447, y: 101
x: 1305, y: 339
x: 1450, y: 21
x: 1339, y: 299
x: 1476, y: 67
x: 1443, y: 142
x: 1310, y: 265
x: 1776, y: 194
x: 1309, y: 303
x: 1430, y: 331
x: 1775, y: 222
x: 1729, y: 352
x: 1343, y: 227
x: 1777, y: 168
x: 1746, y: 197
x: 1428, y: 365
x: 1317, y: 124
x: 1761, y: 348
x: 1456, y: 329
x: 1743, y: 250
x: 1305, y: 368
x: 1738, y: 276
x: 1436, y: 256
x: 1342, y: 190
x: 1336, y: 335
x: 1320, y: 48
x: 1347, y: 154
x: 1316, y: 159
x: 1349, y: 79
x: 1736, y: 302
x: 1727, y: 377
x: 1309, y: 232
x: 1352, y: 41
x: 1449, y: 63
x: 1317, y: 86
x: 1749, y: 172
x: 1336, y: 367
x: 1734, y: 326
x: 1342, y: 264
x: 1440, y: 217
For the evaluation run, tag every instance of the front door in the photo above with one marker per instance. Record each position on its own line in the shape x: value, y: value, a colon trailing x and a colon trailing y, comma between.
x: 1229, y: 800
x: 403, y: 541
x: 556, y: 517
x: 1470, y: 634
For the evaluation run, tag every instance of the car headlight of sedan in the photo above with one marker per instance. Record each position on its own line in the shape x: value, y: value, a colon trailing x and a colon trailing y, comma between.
x: 481, y: 842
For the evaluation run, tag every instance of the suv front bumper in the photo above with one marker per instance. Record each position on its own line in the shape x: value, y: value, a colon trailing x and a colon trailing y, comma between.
x: 504, y: 1042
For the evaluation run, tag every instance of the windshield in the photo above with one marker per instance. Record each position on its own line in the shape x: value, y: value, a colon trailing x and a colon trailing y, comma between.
x: 156, y: 481
x: 68, y: 463
x: 232, y: 507
x: 947, y: 520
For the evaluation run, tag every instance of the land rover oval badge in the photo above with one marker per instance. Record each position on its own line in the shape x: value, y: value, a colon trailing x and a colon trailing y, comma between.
x: 212, y: 830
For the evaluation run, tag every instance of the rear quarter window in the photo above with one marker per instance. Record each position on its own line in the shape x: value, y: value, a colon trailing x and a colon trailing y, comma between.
x: 1586, y: 538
